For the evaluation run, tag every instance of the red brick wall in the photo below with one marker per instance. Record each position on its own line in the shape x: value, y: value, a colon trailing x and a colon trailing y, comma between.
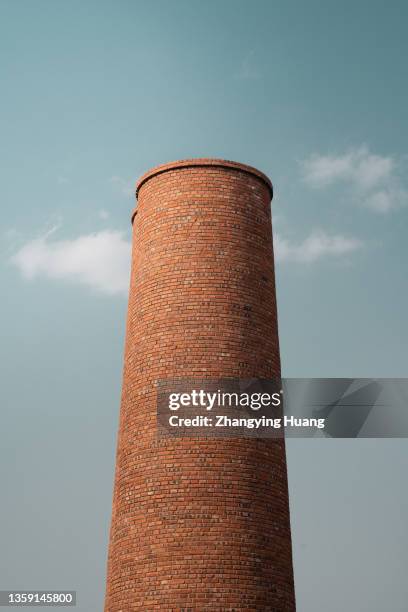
x: 199, y: 524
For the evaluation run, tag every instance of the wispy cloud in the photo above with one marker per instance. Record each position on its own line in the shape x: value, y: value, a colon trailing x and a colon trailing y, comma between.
x: 100, y: 260
x: 126, y: 187
x: 248, y: 69
x: 373, y: 179
x: 316, y: 246
x: 103, y: 214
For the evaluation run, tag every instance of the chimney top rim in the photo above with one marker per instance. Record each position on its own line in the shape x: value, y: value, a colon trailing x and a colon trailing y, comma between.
x: 200, y: 162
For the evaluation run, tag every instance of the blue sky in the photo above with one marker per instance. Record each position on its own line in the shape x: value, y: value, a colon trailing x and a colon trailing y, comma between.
x: 94, y: 94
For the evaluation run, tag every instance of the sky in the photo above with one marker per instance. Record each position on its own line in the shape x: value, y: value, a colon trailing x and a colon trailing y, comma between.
x: 94, y: 94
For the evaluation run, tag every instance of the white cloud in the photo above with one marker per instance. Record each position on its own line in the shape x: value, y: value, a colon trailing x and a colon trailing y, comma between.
x: 357, y: 165
x: 316, y: 246
x: 372, y: 179
x: 386, y: 199
x: 126, y: 187
x: 99, y: 260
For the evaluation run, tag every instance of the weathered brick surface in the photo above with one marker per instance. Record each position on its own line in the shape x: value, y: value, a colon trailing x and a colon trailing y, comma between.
x: 199, y: 524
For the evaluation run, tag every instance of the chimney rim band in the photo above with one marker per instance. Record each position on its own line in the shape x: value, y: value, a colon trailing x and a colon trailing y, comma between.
x: 205, y: 161
x: 201, y: 162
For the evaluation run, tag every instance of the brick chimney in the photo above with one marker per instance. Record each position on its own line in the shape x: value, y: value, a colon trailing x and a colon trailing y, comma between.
x: 199, y: 523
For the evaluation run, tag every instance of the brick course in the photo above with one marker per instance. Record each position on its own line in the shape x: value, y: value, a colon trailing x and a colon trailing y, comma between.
x: 199, y: 524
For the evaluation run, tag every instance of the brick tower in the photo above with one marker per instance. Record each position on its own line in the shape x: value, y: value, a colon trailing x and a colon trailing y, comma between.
x: 198, y: 523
